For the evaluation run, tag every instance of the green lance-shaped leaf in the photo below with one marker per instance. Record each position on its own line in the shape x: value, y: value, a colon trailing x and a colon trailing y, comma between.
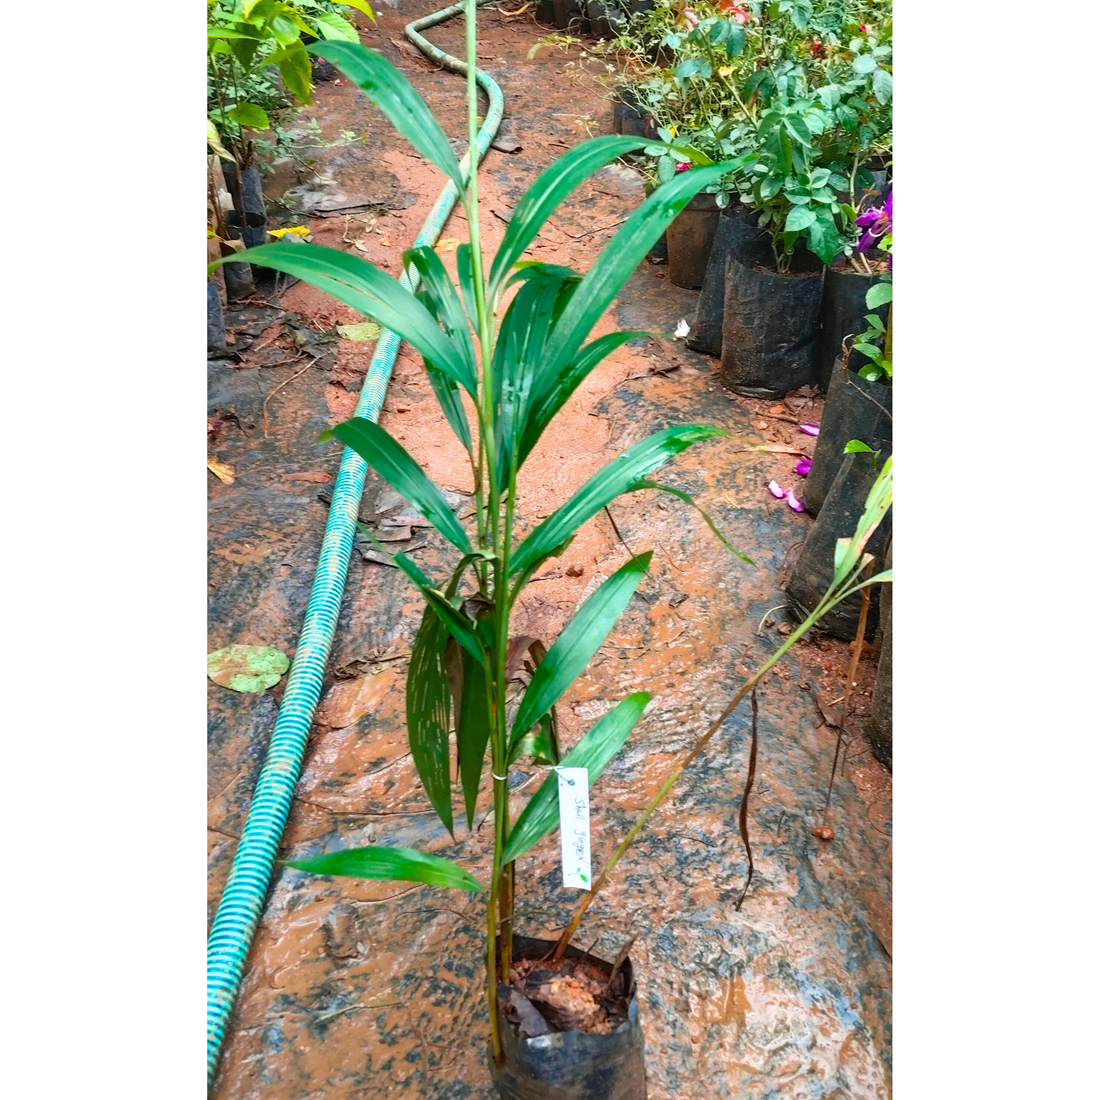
x: 471, y: 706
x: 688, y: 499
x: 520, y: 346
x: 464, y: 265
x: 461, y: 628
x: 294, y: 68
x: 594, y: 751
x: 428, y: 713
x: 369, y: 290
x: 393, y: 463
x: 390, y: 90
x: 436, y: 283
x: 543, y: 196
x: 390, y: 865
x: 617, y: 261
x: 335, y: 27
x: 849, y: 552
x: 561, y: 388
x: 576, y: 644
x: 618, y: 476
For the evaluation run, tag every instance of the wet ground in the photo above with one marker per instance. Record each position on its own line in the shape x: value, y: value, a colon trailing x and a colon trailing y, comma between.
x: 358, y: 991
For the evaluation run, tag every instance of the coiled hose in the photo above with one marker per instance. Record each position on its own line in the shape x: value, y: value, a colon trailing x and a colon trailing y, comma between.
x: 250, y: 876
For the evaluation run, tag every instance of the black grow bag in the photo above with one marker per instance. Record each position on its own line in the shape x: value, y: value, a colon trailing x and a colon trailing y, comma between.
x: 251, y: 192
x: 843, y: 309
x: 570, y: 1065
x: 737, y: 235
x: 813, y: 572
x: 215, y: 318
x: 628, y: 117
x: 855, y: 409
x: 771, y: 325
x: 690, y: 236
x: 569, y: 16
x: 239, y: 283
x: 253, y: 232
x: 605, y: 17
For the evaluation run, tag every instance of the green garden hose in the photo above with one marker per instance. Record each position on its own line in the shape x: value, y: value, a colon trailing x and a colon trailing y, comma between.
x: 250, y: 876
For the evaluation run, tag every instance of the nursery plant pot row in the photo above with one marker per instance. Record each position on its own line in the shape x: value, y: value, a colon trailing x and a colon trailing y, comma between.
x: 573, y: 1065
x: 600, y: 18
x: 773, y: 332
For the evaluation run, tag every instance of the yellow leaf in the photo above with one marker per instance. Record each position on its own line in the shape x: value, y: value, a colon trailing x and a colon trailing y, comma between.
x: 725, y: 70
x: 448, y: 244
x: 297, y: 230
x: 220, y: 470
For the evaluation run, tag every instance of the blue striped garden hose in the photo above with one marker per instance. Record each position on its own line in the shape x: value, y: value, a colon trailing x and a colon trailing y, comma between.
x: 250, y: 876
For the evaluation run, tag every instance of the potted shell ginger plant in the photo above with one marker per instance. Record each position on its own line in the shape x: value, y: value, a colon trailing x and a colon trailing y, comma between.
x: 518, y: 370
x: 518, y: 361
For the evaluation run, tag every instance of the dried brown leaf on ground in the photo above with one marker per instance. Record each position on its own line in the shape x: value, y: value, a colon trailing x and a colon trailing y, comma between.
x: 221, y: 471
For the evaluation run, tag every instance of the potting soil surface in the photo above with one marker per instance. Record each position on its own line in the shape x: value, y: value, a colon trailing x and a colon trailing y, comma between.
x: 375, y: 990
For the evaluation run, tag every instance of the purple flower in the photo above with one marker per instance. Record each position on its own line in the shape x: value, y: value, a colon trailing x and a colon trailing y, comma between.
x: 794, y: 502
x: 803, y: 467
x: 809, y: 429
x: 878, y: 221
x: 777, y: 490
x: 683, y: 166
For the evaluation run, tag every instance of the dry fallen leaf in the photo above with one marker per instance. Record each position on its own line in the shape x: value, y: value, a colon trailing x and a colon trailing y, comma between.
x: 220, y: 470
x: 447, y: 244
x: 384, y: 242
x: 348, y: 700
x: 823, y: 832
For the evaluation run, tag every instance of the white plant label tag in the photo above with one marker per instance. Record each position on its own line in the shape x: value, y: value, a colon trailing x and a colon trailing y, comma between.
x: 576, y: 840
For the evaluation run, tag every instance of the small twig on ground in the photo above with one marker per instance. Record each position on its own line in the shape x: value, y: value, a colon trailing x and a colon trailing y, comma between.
x: 743, y: 814
x: 280, y: 386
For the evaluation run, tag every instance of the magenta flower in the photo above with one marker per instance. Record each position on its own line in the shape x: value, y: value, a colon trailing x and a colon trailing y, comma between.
x: 809, y: 429
x: 776, y: 490
x: 683, y: 166
x: 794, y: 502
x: 878, y: 221
x: 803, y: 467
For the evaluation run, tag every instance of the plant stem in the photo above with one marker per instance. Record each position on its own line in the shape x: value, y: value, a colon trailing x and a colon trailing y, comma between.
x: 849, y: 683
x: 836, y: 592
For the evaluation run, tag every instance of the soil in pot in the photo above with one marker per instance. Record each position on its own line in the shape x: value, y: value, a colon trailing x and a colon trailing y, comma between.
x: 737, y: 235
x: 570, y: 1031
x: 813, y: 571
x: 771, y: 323
x: 843, y: 309
x: 881, y: 729
x: 690, y: 237
x: 855, y: 409
x: 215, y: 318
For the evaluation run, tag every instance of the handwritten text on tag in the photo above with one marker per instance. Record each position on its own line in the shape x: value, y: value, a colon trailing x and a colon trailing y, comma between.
x: 576, y: 840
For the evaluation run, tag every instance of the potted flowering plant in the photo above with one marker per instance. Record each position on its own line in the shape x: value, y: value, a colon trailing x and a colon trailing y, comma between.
x: 509, y: 342
x: 858, y: 412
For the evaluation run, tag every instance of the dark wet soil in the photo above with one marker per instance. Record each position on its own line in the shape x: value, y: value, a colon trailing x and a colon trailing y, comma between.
x: 371, y: 990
